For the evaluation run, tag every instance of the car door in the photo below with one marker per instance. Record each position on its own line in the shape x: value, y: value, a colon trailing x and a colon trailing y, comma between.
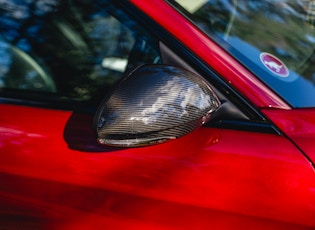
x: 58, y: 63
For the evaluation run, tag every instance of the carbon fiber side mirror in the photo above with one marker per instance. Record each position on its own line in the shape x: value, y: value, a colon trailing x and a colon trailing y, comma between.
x: 153, y: 104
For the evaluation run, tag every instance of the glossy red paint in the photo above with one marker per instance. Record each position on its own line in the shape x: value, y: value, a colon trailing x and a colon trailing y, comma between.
x: 233, y: 72
x: 54, y: 175
x: 211, y: 177
x: 298, y: 125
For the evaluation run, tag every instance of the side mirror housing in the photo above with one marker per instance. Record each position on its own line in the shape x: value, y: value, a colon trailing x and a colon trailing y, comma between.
x: 153, y: 104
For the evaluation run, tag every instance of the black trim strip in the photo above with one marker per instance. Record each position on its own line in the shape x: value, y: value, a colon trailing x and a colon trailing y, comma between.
x: 244, y: 126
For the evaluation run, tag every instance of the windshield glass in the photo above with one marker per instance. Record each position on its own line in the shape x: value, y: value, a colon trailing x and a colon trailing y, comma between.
x: 275, y: 39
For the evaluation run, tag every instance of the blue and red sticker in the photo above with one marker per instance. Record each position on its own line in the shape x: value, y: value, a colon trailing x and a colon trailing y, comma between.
x: 274, y: 65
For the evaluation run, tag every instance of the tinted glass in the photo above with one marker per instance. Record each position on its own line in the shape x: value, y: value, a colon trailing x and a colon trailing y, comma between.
x: 67, y: 49
x: 275, y: 39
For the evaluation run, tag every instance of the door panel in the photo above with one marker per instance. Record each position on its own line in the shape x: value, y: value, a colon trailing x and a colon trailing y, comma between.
x: 54, y: 175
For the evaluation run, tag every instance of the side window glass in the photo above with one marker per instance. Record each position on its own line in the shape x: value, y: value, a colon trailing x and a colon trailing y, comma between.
x: 69, y: 49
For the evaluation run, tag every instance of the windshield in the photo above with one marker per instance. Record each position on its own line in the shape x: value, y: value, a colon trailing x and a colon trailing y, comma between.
x: 275, y: 39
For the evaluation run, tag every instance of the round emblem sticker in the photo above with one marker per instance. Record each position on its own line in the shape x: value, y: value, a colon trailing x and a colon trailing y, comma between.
x: 275, y: 65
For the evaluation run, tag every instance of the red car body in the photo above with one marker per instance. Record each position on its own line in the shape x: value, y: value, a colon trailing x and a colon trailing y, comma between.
x: 212, y: 178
